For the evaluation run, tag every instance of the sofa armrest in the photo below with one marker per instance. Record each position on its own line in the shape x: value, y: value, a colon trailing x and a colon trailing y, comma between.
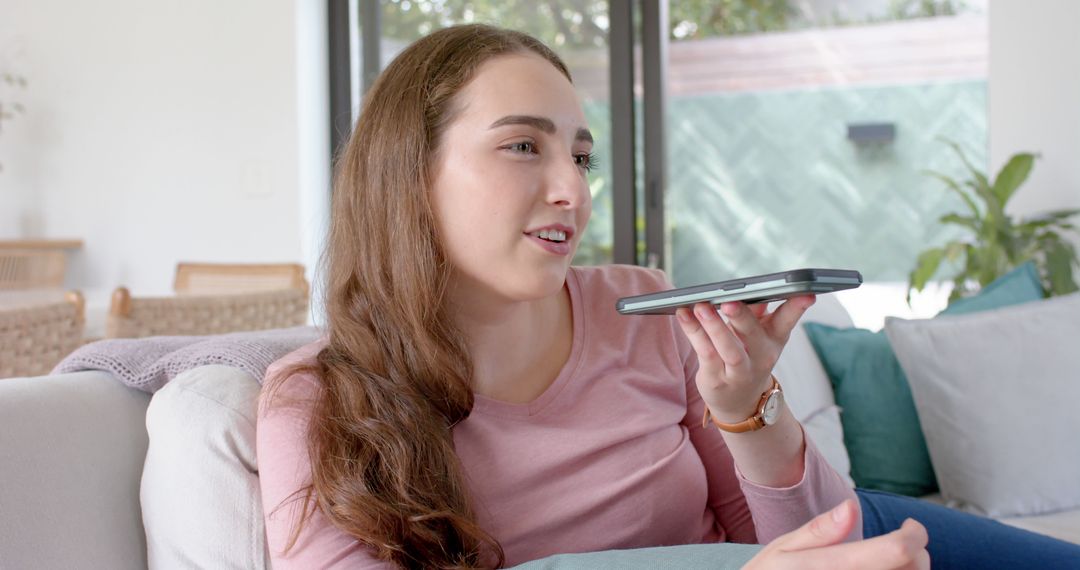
x: 72, y: 448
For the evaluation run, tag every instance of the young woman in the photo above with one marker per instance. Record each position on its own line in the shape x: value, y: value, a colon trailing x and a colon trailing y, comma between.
x: 478, y: 402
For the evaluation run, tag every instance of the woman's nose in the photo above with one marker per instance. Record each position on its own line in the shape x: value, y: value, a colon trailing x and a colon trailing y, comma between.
x: 567, y: 186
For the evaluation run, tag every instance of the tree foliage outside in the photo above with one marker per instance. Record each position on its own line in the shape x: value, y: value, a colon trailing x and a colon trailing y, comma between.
x: 559, y: 23
x: 580, y: 24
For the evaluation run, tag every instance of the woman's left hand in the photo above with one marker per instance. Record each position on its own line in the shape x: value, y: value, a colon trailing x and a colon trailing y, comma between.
x: 736, y: 359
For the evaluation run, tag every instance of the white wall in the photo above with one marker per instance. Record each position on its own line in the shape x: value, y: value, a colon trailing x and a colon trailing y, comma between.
x: 166, y: 131
x: 1035, y: 97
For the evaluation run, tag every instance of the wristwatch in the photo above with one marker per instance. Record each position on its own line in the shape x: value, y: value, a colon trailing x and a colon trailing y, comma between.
x: 768, y: 412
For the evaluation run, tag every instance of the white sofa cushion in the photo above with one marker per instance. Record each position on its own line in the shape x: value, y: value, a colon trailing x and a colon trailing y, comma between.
x: 71, y: 453
x: 996, y: 394
x: 807, y: 389
x: 200, y: 488
x: 1064, y: 525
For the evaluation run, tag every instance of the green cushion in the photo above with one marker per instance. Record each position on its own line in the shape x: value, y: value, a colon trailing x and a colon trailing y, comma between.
x: 881, y: 428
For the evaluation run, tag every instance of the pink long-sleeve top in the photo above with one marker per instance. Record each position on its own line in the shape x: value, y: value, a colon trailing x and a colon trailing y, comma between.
x: 611, y: 456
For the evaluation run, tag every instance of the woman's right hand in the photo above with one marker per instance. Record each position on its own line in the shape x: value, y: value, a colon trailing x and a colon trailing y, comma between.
x: 817, y: 545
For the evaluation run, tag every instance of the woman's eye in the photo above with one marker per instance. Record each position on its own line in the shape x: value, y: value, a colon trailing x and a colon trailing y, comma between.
x: 586, y: 160
x: 525, y: 147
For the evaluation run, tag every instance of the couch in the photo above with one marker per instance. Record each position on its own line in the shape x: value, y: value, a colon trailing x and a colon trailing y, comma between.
x: 94, y: 474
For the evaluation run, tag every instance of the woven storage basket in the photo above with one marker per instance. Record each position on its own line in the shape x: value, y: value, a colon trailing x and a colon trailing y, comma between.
x: 34, y: 339
x: 133, y: 317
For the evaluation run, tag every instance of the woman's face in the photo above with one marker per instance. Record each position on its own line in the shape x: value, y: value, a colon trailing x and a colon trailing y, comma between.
x: 510, y: 193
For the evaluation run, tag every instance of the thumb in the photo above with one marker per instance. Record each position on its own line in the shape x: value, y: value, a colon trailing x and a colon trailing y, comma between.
x: 823, y: 530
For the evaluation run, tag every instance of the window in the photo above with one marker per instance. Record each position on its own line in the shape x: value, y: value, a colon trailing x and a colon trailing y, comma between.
x: 799, y: 133
x: 756, y: 136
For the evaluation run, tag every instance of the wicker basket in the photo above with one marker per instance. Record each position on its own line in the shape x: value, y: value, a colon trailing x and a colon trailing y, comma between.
x: 133, y: 317
x: 34, y: 339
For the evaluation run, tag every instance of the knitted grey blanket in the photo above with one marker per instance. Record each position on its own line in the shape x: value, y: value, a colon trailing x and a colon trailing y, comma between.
x: 147, y: 364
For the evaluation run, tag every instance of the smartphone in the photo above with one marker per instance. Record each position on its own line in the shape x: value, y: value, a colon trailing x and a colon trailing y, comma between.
x: 756, y: 289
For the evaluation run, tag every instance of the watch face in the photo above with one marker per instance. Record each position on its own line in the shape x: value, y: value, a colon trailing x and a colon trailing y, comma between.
x: 771, y: 412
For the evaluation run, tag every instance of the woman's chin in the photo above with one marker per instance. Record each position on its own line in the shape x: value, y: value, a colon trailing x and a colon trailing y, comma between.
x: 522, y: 284
x: 534, y: 283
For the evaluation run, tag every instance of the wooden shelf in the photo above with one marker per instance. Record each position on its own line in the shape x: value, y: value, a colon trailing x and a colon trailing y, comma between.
x: 39, y: 244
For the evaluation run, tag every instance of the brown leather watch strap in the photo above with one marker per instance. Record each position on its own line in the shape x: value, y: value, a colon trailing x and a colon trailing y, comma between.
x: 753, y: 423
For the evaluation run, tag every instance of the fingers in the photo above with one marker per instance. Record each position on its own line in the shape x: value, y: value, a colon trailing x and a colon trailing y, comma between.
x: 708, y: 358
x: 759, y: 309
x: 817, y: 545
x: 903, y: 548
x: 823, y: 530
x: 745, y: 323
x: 922, y: 561
x: 715, y: 344
x: 784, y: 319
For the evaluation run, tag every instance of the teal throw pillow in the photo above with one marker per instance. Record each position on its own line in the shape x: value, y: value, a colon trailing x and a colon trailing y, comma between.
x: 881, y: 427
x: 1017, y: 286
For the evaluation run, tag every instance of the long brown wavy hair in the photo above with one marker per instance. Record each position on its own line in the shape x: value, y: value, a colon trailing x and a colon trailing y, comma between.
x: 396, y: 374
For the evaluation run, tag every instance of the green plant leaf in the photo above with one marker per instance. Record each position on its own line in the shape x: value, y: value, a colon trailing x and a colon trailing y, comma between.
x: 976, y: 174
x: 1060, y: 258
x: 925, y: 268
x: 979, y: 184
x: 986, y: 263
x: 956, y: 187
x: 993, y: 206
x: 965, y: 221
x: 1030, y: 226
x: 954, y: 249
x: 1055, y: 216
x: 1012, y: 175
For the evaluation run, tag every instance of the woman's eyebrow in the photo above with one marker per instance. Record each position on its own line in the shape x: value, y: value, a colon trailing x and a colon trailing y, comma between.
x: 540, y: 123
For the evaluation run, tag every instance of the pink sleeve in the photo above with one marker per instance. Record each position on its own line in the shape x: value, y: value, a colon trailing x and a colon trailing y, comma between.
x: 284, y: 468
x: 726, y: 499
x: 780, y: 511
x: 745, y: 509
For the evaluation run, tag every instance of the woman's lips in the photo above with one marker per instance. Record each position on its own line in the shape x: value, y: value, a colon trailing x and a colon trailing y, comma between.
x: 555, y: 248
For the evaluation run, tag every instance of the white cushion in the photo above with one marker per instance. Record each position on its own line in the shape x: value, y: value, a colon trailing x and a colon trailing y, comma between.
x: 71, y: 453
x: 200, y: 487
x: 1064, y: 525
x: 996, y: 393
x: 807, y: 389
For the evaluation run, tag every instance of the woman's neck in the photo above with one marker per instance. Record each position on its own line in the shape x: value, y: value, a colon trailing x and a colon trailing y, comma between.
x: 517, y: 347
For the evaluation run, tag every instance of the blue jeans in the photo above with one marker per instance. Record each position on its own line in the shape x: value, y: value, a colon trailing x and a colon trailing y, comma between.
x: 962, y: 540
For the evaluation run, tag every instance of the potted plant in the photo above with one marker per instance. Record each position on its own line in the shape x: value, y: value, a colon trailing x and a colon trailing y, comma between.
x: 996, y: 242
